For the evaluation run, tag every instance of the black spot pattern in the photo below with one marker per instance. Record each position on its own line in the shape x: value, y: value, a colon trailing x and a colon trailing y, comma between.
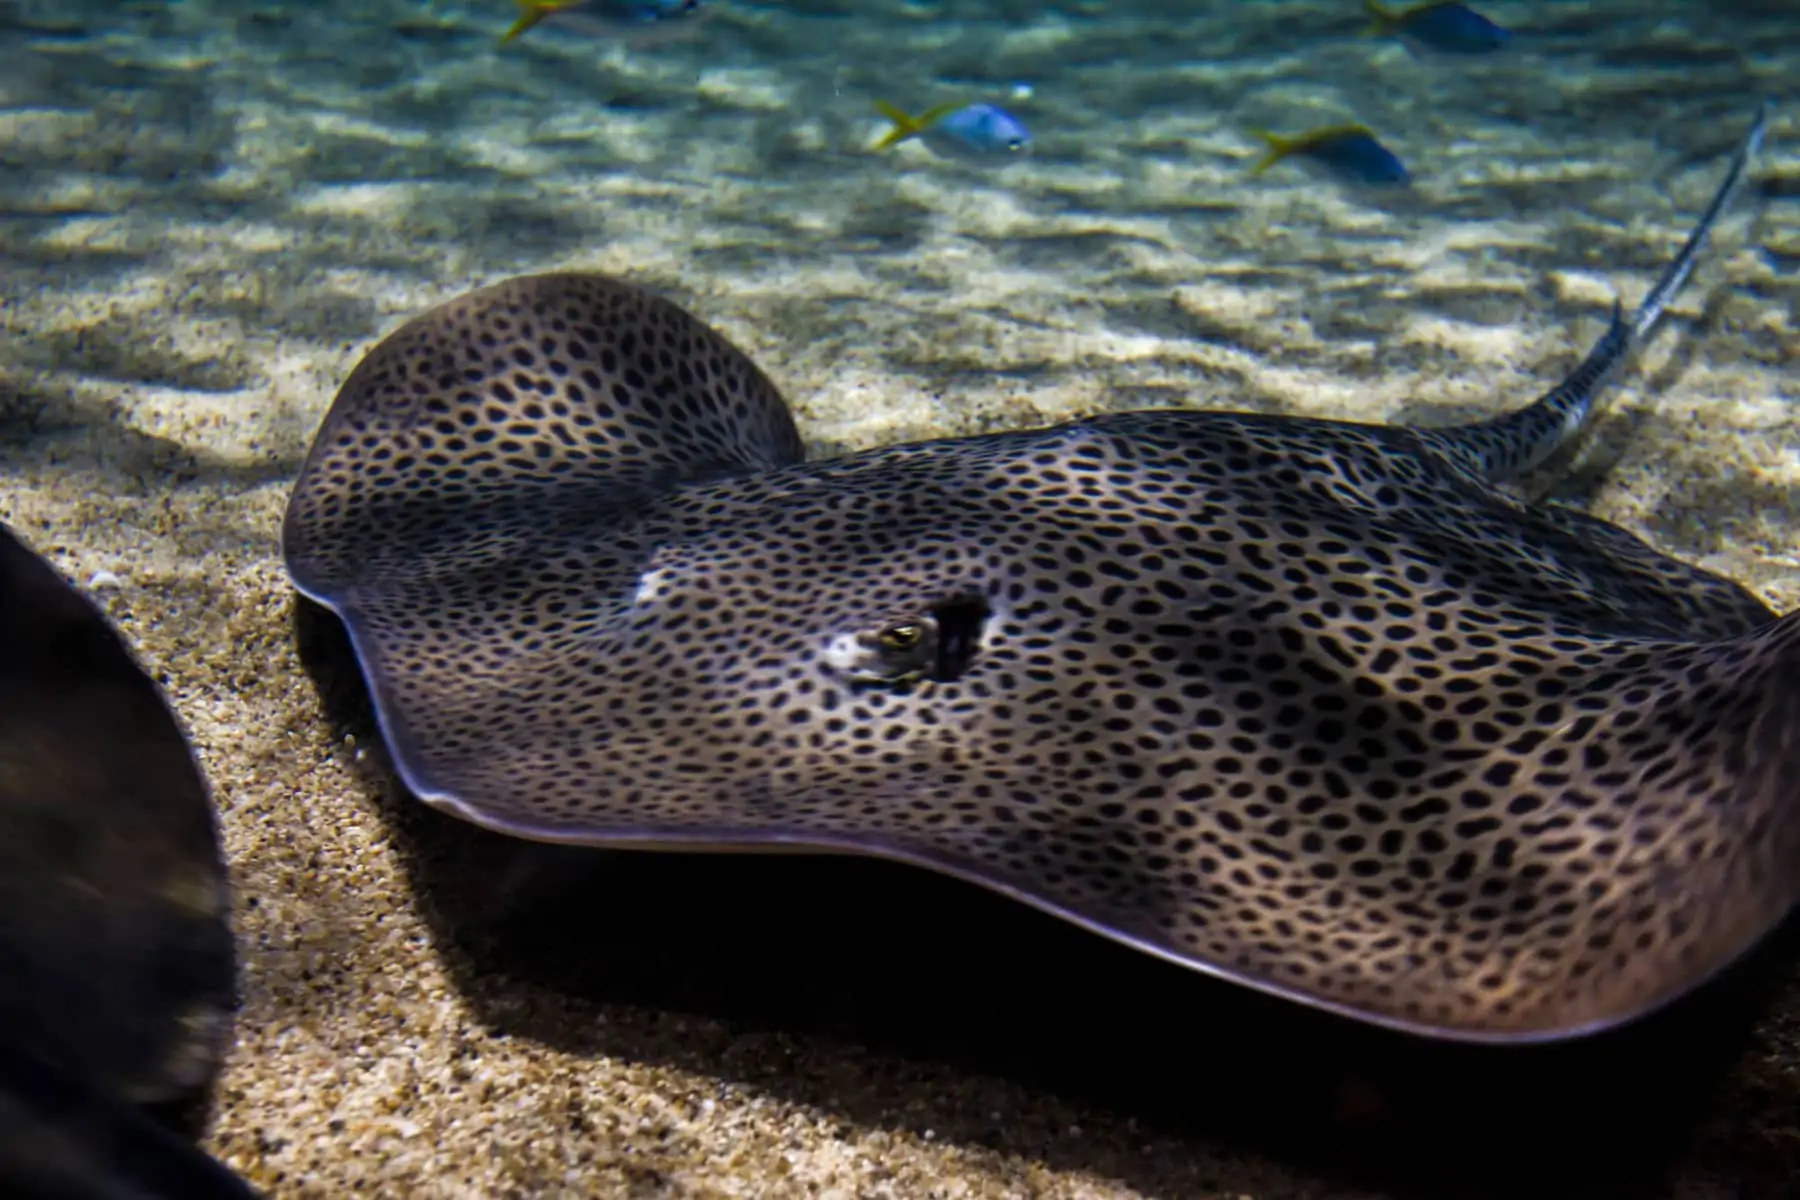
x: 1310, y: 705
x: 560, y: 398
x: 1307, y: 704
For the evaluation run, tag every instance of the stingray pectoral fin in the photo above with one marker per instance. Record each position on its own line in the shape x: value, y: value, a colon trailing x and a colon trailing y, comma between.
x: 1687, y: 799
x: 542, y: 401
x: 1636, y: 837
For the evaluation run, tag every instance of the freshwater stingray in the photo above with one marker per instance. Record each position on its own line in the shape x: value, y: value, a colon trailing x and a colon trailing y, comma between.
x: 1313, y: 706
x: 116, y: 966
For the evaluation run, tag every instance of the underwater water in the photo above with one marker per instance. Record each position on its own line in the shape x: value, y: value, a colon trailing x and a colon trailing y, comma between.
x: 210, y: 210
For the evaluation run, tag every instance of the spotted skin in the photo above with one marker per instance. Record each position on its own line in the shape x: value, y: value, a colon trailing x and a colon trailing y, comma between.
x: 1309, y: 705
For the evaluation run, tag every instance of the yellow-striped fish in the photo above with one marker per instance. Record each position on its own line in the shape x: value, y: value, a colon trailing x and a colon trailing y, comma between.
x: 978, y: 130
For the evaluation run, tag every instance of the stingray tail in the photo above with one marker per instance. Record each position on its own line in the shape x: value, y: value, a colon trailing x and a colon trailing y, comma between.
x: 1509, y: 446
x: 1651, y: 310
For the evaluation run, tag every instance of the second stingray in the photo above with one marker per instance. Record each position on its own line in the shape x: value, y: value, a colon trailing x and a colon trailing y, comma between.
x: 1313, y: 706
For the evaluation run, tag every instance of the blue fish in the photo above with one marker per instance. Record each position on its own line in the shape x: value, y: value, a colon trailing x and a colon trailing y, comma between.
x: 979, y: 130
x: 1352, y: 152
x: 1451, y: 28
x: 600, y: 17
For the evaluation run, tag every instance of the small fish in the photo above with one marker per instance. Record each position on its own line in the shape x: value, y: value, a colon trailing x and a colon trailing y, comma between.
x: 1350, y: 151
x: 1449, y: 27
x: 978, y: 130
x: 600, y: 17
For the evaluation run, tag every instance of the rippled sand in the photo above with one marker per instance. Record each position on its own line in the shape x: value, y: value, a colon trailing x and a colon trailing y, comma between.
x: 209, y: 210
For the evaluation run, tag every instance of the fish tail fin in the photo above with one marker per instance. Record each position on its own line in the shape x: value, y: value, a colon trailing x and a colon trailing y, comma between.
x: 904, y: 126
x: 1381, y: 21
x: 530, y: 13
x: 1278, y: 149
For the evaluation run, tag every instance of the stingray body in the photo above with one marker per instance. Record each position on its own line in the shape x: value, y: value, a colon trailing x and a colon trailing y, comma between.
x: 1313, y: 706
x: 116, y: 965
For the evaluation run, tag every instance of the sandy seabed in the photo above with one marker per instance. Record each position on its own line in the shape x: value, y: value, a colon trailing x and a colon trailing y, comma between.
x: 210, y: 210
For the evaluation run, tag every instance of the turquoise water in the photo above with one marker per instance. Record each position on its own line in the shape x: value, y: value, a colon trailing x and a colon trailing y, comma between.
x: 226, y: 200
x: 297, y: 174
x: 209, y: 211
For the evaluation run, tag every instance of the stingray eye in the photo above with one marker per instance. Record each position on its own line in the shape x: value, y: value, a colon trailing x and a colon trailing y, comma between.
x: 901, y: 638
x: 936, y: 644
